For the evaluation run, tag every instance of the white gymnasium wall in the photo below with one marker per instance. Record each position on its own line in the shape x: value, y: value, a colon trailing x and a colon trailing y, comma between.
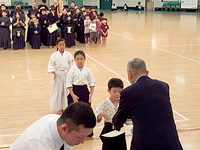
x: 158, y: 4
x: 7, y: 2
x: 130, y: 3
x: 119, y: 3
x: 91, y: 3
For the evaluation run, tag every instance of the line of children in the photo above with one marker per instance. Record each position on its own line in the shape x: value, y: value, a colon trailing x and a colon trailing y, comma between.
x: 93, y: 31
x: 87, y: 22
x: 71, y: 21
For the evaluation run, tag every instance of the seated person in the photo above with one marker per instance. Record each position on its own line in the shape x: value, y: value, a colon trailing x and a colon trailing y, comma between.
x: 114, y: 7
x: 125, y: 7
x: 139, y: 6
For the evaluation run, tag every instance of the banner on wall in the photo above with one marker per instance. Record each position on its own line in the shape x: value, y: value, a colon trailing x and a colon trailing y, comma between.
x: 60, y: 5
x: 7, y: 2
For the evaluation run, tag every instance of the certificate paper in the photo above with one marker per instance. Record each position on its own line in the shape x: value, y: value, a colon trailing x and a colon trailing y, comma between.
x: 53, y: 28
x: 116, y: 133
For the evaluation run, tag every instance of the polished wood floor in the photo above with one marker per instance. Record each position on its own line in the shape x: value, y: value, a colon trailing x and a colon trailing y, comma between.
x: 169, y: 43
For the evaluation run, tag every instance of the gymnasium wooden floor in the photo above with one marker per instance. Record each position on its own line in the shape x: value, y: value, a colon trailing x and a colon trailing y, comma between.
x: 169, y: 43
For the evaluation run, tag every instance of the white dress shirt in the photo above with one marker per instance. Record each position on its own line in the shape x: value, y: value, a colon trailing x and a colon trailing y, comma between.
x: 76, y: 76
x: 59, y: 62
x: 41, y: 135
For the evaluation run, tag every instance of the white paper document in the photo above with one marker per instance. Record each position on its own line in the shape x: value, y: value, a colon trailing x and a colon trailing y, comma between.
x: 53, y: 28
x: 117, y: 133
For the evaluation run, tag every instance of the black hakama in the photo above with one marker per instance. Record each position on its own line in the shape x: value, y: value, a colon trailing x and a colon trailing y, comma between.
x: 112, y: 143
x: 82, y: 92
x: 19, y: 42
x: 68, y: 30
x: 35, y: 38
x: 81, y: 29
x: 35, y: 41
x: 29, y: 33
x: 52, y: 37
x: 70, y: 39
x: 18, y: 36
x: 5, y: 40
x: 43, y: 23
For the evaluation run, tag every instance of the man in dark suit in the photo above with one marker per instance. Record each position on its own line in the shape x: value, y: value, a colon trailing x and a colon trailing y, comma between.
x: 147, y: 102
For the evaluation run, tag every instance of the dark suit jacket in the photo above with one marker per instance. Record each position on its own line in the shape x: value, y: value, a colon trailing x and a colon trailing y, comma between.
x: 147, y: 102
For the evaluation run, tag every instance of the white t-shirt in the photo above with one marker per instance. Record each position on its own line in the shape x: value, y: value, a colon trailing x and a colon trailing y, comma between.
x: 86, y: 25
x: 93, y: 27
x: 76, y: 76
x: 41, y: 135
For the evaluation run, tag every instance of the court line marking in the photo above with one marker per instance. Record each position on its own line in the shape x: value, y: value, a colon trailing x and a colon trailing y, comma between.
x: 122, y: 36
x: 107, y: 68
x: 184, y: 57
x: 185, y: 119
x: 161, y: 49
x: 149, y: 39
x: 181, y: 45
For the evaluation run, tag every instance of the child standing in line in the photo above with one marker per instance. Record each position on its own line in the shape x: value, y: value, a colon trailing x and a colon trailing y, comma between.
x: 5, y: 40
x: 59, y: 64
x: 18, y: 32
x: 87, y: 22
x: 43, y: 23
x: 104, y: 31
x: 93, y: 31
x: 78, y: 78
x: 35, y: 38
x: 107, y: 110
x: 68, y: 28
x: 98, y: 31
x: 51, y: 19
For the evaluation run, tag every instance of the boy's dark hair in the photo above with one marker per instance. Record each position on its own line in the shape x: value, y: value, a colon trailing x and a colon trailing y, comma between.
x: 92, y: 8
x: 86, y: 15
x: 93, y: 18
x: 4, y: 11
x: 59, y: 40
x: 78, y: 114
x: 79, y: 52
x: 44, y: 1
x: 115, y: 82
x: 101, y: 14
x: 103, y: 19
